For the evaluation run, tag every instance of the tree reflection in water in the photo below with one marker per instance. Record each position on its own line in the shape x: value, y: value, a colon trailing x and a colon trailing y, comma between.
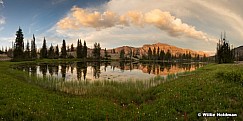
x: 81, y: 67
x: 43, y: 69
x: 50, y: 69
x: 96, y: 69
x: 92, y: 70
x: 63, y: 70
x: 33, y: 70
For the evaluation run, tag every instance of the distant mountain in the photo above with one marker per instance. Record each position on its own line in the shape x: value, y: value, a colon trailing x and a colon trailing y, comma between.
x: 165, y: 47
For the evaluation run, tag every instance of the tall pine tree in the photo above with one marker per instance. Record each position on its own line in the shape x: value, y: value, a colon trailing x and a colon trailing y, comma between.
x: 162, y: 55
x: 33, y: 48
x: 150, y: 54
x: 72, y: 48
x: 157, y: 54
x: 122, y: 54
x: 85, y: 49
x: 224, y: 52
x: 43, y: 53
x: 57, y: 52
x: 154, y: 53
x: 96, y: 51
x: 79, y: 49
x: 63, y: 50
x: 18, y: 53
x: 106, y: 54
x: 51, y: 53
x: 168, y: 55
x: 27, y: 51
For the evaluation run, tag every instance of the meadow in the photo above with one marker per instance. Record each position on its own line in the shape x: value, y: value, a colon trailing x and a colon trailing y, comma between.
x: 215, y: 88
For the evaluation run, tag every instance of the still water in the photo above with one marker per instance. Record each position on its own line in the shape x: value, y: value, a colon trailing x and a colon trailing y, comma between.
x: 115, y: 71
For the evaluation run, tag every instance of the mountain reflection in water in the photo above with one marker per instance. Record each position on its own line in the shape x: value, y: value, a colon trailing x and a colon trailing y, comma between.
x: 118, y: 71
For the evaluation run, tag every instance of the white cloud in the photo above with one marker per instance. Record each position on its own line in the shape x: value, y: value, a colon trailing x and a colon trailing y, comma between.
x: 7, y: 41
x: 2, y: 20
x: 1, y: 2
x: 79, y: 18
x: 138, y: 22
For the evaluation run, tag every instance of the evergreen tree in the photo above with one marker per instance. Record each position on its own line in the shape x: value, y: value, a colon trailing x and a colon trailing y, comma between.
x: 113, y: 51
x: 18, y: 53
x: 33, y: 48
x: 162, y: 55
x: 158, y: 54
x: 68, y: 49
x: 150, y: 54
x: 204, y: 58
x: 85, y: 49
x: 168, y: 55
x: 224, y: 52
x: 189, y: 56
x: 79, y: 49
x: 1, y: 52
x: 198, y: 57
x: 106, y: 55
x: 72, y: 48
x: 63, y: 50
x: 154, y: 53
x: 184, y: 56
x: 122, y: 54
x: 96, y: 51
x: 6, y: 50
x: 130, y: 53
x: 43, y: 53
x: 57, y: 52
x: 180, y: 57
x: 51, y: 53
x: 27, y: 51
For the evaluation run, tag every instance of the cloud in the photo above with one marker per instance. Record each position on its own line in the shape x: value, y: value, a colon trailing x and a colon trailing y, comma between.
x: 2, y: 20
x: 138, y: 22
x: 164, y: 21
x: 82, y: 18
x: 7, y: 40
x: 1, y: 2
x: 174, y: 26
x: 233, y: 19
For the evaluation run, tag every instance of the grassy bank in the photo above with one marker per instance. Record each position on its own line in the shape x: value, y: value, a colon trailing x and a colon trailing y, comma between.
x: 209, y: 89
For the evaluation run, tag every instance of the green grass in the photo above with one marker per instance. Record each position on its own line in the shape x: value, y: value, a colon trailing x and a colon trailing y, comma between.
x: 209, y: 89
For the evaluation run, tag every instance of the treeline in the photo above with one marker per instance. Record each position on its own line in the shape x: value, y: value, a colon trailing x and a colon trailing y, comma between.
x: 4, y: 51
x: 157, y: 54
x: 30, y: 53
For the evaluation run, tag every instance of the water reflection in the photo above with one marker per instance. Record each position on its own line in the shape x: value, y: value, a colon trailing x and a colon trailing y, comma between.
x: 81, y: 69
x: 108, y: 71
x: 96, y: 69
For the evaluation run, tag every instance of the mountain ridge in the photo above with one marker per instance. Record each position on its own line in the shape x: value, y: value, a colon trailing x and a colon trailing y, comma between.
x: 162, y: 46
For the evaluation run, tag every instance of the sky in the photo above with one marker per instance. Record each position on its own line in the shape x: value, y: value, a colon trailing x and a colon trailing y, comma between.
x: 192, y: 24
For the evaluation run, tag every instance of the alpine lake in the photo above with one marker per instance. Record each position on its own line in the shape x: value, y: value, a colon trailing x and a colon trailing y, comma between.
x: 113, y: 71
x: 95, y: 78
